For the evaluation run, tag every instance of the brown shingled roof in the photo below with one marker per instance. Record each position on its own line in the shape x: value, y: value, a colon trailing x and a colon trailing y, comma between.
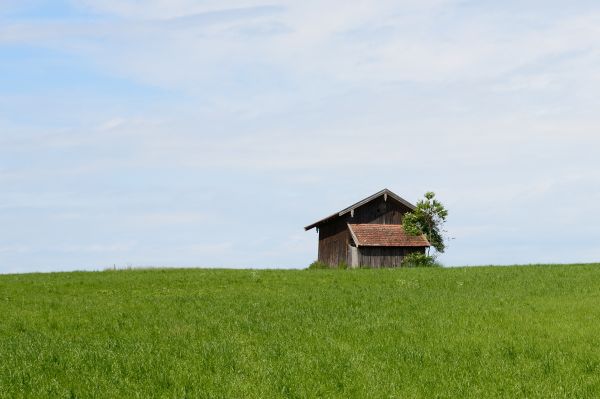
x: 385, y: 235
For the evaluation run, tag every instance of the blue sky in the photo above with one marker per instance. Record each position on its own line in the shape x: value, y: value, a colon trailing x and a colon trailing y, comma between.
x: 205, y: 133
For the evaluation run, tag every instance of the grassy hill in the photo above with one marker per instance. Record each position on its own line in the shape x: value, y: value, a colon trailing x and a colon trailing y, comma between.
x: 529, y: 331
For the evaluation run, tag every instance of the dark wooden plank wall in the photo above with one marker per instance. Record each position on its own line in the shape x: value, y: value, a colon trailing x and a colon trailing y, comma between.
x: 377, y: 257
x: 379, y: 211
x: 334, y: 237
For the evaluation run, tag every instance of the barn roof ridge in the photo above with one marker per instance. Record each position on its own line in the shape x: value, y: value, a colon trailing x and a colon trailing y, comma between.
x: 385, y: 192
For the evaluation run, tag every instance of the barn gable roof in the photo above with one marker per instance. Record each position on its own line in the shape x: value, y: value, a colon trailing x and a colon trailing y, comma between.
x: 384, y: 235
x: 385, y: 193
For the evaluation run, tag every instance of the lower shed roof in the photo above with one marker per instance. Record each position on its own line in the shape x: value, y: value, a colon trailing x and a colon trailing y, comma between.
x: 384, y: 235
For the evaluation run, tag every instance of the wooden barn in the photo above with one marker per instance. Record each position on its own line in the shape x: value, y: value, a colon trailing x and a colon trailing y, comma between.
x: 368, y: 233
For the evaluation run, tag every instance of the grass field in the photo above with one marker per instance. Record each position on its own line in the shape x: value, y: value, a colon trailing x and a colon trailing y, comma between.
x: 529, y: 331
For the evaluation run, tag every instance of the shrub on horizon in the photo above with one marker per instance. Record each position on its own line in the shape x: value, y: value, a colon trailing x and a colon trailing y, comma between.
x: 418, y: 259
x: 318, y: 265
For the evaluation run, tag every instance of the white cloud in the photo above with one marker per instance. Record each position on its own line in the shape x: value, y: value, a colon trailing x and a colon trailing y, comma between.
x: 163, y: 9
x: 362, y: 42
x: 15, y: 249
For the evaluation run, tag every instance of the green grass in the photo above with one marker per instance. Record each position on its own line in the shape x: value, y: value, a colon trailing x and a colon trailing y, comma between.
x: 529, y: 331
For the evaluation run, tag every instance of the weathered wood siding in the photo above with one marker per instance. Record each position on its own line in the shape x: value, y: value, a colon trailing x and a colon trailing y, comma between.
x: 379, y: 211
x: 334, y: 237
x: 376, y: 257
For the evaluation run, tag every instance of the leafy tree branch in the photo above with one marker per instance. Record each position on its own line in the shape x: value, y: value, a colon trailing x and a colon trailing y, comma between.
x: 428, y: 218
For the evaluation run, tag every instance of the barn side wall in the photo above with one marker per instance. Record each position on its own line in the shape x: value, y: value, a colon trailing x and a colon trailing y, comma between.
x: 334, y: 237
x: 376, y: 257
